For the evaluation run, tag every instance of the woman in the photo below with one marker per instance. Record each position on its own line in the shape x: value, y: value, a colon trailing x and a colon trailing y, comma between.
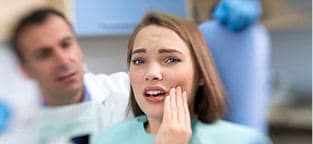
x: 176, y: 94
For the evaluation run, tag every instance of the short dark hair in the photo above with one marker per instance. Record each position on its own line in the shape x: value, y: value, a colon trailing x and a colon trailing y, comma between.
x: 35, y: 17
x: 209, y: 100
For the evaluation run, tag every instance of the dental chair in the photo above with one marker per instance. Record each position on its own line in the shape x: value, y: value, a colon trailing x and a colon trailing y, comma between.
x: 243, y: 61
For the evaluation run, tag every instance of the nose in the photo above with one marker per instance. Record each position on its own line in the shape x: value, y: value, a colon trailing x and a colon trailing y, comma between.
x: 62, y: 58
x: 153, y: 74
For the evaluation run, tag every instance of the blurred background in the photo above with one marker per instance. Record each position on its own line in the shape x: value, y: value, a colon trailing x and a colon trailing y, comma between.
x: 103, y: 38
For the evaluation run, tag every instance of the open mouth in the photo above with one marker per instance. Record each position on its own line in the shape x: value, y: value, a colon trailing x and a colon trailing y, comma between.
x: 154, y: 94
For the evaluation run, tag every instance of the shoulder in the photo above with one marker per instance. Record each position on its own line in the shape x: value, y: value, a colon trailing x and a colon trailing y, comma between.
x: 226, y: 132
x: 115, y: 77
x: 101, y: 86
x: 116, y: 82
x: 121, y: 132
x: 122, y: 127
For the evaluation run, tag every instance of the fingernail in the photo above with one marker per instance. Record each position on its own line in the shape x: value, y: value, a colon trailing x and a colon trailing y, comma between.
x: 173, y: 90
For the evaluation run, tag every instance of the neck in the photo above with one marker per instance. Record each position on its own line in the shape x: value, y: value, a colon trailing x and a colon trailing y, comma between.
x: 153, y: 125
x: 63, y: 99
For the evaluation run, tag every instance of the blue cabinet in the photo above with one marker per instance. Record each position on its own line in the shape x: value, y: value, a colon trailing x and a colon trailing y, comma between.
x: 119, y: 17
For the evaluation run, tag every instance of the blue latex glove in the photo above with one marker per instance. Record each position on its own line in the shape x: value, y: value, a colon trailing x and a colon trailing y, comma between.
x: 5, y: 116
x: 237, y: 14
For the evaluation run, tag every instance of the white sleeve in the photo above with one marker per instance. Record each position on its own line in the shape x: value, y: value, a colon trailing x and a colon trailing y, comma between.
x: 113, y: 92
x: 101, y: 86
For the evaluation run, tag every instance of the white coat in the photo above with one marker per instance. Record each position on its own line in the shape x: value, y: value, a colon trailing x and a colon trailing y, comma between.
x: 109, y: 96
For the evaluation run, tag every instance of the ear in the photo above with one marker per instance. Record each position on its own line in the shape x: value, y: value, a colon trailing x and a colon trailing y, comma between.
x: 25, y: 71
x: 201, y: 81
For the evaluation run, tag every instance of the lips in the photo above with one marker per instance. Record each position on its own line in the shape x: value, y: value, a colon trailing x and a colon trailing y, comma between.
x: 154, y: 94
x: 66, y: 77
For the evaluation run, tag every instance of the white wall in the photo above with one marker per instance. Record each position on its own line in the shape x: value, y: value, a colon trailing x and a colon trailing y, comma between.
x: 292, y: 58
x: 105, y: 54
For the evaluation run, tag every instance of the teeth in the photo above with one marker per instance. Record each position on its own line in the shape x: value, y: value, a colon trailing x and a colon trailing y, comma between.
x: 153, y: 92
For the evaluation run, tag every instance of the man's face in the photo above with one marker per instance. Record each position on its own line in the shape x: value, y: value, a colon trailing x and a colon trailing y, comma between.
x: 52, y: 56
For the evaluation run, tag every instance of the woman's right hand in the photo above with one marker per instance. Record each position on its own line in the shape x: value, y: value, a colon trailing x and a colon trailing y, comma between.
x: 176, y: 124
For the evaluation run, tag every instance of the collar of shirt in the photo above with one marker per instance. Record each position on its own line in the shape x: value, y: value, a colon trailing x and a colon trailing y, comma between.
x: 86, y: 95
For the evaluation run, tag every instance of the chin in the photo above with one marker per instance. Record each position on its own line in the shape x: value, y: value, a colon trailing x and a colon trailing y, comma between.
x: 72, y: 88
x: 155, y: 114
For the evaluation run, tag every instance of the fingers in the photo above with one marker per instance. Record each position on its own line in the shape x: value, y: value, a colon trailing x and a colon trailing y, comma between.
x: 167, y: 106
x: 186, y: 109
x: 173, y: 105
x: 180, y: 107
x: 176, y: 107
x: 176, y: 110
x: 183, y: 109
x: 176, y: 119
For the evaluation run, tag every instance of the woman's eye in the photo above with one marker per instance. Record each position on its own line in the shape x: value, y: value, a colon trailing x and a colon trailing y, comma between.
x: 172, y: 60
x: 138, y: 61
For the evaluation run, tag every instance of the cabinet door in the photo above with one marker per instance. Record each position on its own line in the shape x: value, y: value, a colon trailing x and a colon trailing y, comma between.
x: 118, y: 17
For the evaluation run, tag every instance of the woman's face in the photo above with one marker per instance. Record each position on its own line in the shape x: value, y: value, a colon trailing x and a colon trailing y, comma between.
x: 160, y: 60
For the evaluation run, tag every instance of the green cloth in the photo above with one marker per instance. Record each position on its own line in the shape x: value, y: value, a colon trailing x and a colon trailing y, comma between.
x: 219, y: 132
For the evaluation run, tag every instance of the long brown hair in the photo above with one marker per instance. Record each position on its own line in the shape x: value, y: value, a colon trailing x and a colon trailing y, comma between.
x: 209, y: 100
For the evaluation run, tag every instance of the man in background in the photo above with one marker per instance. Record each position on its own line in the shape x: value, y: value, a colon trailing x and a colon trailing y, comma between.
x: 48, y: 51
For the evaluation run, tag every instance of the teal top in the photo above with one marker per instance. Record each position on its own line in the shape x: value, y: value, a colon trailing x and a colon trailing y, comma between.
x: 219, y: 132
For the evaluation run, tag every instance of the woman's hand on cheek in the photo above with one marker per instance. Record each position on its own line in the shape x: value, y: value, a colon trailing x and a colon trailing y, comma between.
x: 176, y: 125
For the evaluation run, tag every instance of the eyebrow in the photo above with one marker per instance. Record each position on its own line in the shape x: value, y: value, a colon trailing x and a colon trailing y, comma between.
x: 139, y: 51
x: 169, y: 51
x: 44, y: 48
x: 142, y: 50
x: 67, y: 38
